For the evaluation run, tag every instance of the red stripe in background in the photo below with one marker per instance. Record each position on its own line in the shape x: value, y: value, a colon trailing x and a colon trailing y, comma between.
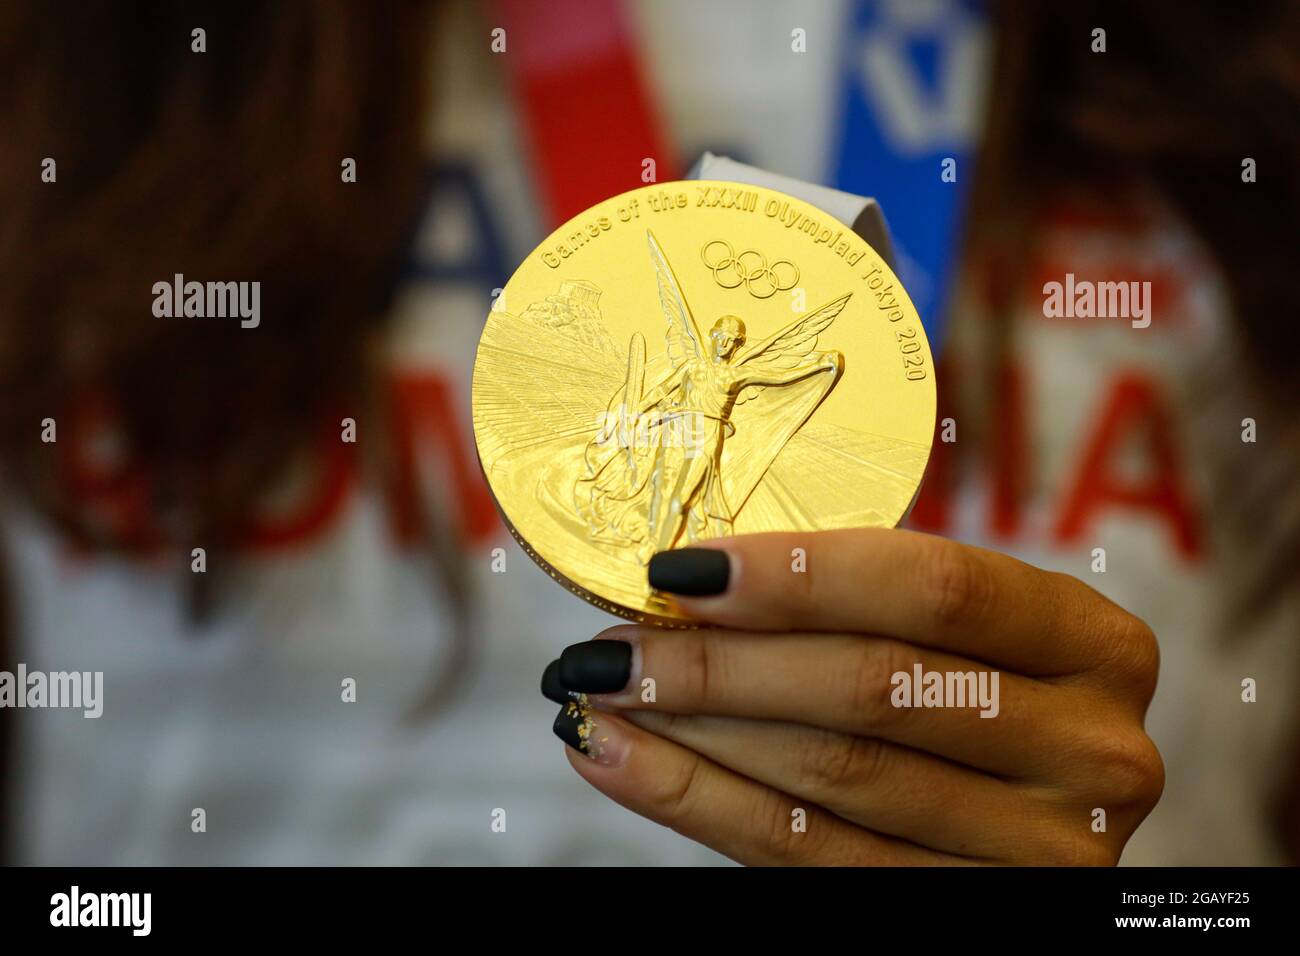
x: 586, y: 110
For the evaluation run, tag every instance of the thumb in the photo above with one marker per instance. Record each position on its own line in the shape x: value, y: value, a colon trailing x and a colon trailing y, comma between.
x: 750, y: 581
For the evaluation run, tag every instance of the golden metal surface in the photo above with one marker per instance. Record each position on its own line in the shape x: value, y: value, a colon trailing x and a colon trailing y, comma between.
x: 695, y: 359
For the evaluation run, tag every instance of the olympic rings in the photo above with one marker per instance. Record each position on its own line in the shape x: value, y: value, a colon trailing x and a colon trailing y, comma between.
x: 749, y: 269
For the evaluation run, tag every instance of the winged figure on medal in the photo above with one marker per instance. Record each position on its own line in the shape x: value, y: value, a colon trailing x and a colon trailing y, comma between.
x: 674, y: 461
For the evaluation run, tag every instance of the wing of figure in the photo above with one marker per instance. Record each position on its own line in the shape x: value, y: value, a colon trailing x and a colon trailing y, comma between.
x: 770, y: 416
x: 790, y: 347
x: 682, y: 335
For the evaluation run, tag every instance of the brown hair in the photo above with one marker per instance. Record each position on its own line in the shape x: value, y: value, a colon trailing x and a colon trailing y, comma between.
x: 223, y: 165
x: 1184, y: 92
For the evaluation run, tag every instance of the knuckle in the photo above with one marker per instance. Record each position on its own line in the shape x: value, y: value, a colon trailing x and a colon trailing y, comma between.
x: 1122, y: 644
x: 806, y: 588
x: 960, y: 585
x: 773, y: 817
x: 700, y: 660
x: 1120, y: 769
x: 1133, y: 772
x: 1079, y: 609
x: 679, y: 788
x: 1137, y: 660
x: 871, y: 678
x: 832, y: 762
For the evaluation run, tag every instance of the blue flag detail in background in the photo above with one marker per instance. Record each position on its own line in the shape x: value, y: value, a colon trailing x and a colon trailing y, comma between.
x: 911, y: 76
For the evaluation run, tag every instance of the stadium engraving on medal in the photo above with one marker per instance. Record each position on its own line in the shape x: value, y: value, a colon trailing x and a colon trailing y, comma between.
x: 765, y: 416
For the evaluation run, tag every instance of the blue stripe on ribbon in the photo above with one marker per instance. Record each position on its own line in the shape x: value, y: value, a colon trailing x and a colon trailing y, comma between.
x: 908, y: 99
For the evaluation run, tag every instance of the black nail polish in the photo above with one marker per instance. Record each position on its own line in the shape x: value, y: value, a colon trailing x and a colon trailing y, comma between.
x: 553, y: 688
x: 693, y: 572
x: 568, y: 722
x: 596, y: 667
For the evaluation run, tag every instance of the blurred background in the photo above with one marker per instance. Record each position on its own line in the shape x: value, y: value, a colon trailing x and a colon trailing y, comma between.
x: 1161, y: 149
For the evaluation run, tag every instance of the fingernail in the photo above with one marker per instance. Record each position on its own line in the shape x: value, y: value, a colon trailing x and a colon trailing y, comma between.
x: 692, y: 572
x: 596, y: 667
x: 553, y: 688
x: 590, y: 733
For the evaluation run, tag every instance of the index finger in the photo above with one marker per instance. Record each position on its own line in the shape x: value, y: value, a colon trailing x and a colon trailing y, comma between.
x: 915, y: 587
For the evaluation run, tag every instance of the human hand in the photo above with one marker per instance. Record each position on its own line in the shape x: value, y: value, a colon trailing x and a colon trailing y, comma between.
x: 792, y: 704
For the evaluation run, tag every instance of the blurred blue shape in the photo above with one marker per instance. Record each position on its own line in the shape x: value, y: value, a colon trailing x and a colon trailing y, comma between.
x: 909, y: 98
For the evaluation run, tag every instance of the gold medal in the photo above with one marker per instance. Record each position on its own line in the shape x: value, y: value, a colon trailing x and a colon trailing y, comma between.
x: 691, y: 360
